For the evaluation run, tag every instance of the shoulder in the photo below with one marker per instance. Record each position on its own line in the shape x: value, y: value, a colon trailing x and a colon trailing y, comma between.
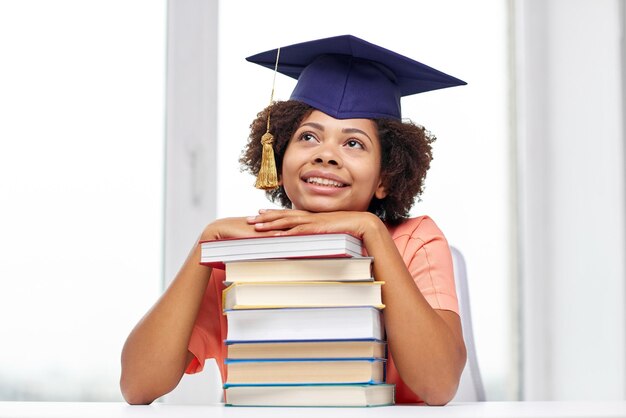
x: 421, y: 227
x: 415, y: 234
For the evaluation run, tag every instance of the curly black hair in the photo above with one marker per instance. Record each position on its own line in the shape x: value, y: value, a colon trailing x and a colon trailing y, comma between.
x: 406, y: 153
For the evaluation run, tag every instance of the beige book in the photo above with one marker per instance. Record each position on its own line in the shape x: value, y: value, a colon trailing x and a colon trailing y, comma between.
x: 300, y: 270
x: 307, y: 349
x: 335, y: 371
x: 265, y: 295
x: 315, y: 395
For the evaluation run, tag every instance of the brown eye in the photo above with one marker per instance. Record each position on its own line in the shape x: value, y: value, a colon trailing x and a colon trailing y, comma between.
x: 353, y: 143
x: 307, y: 137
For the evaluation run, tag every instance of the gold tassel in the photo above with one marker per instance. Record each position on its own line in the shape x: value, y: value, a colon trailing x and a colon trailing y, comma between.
x: 267, y: 179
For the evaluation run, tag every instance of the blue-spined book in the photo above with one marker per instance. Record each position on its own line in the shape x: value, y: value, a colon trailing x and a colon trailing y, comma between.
x: 311, y: 395
x: 305, y: 371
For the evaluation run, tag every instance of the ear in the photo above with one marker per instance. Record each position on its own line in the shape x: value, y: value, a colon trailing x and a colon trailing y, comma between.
x: 380, y: 192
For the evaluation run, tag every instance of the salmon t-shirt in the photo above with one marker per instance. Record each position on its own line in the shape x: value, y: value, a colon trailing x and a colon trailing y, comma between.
x: 427, y: 256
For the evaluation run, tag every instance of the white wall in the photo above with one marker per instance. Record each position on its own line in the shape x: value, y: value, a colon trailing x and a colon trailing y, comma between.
x: 572, y: 194
x: 191, y: 165
x: 191, y: 126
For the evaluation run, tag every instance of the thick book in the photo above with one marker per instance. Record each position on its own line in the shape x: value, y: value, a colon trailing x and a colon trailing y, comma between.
x: 266, y: 295
x: 300, y: 270
x: 304, y: 324
x: 305, y: 371
x: 216, y: 252
x: 314, y: 395
x: 307, y: 349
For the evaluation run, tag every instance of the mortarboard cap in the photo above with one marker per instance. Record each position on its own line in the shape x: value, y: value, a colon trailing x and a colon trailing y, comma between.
x: 347, y: 77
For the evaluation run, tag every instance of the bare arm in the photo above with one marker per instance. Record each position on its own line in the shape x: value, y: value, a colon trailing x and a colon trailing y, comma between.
x: 155, y: 355
x: 426, y: 344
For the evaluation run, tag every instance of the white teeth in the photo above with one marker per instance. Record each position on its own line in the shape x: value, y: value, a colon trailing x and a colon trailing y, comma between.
x: 324, y: 182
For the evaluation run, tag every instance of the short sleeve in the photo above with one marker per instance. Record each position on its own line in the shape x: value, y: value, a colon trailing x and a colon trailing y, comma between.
x: 426, y: 254
x: 209, y: 330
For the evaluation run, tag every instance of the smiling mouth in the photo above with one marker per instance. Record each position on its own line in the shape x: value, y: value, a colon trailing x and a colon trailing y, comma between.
x: 319, y: 181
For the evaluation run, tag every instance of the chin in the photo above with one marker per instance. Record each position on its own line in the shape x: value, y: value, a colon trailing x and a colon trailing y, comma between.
x: 328, y: 207
x: 319, y: 207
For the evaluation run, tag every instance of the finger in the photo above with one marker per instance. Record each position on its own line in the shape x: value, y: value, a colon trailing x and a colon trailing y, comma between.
x: 300, y: 230
x: 261, y: 211
x: 265, y: 215
x: 277, y: 225
x: 285, y: 211
x: 279, y: 214
x: 281, y: 223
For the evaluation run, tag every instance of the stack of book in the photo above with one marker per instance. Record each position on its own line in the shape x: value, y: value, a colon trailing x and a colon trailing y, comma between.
x: 304, y: 322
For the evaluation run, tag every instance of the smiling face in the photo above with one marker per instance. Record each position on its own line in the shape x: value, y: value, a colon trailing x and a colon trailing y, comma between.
x: 332, y: 164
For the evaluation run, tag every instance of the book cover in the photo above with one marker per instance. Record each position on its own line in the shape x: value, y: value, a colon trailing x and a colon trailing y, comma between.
x: 305, y: 371
x: 304, y: 324
x: 307, y: 349
x: 313, y: 396
x: 263, y: 295
x: 303, y: 269
x: 216, y: 252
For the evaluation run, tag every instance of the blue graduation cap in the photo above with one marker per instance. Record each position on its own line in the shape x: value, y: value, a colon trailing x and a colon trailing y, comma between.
x: 347, y: 77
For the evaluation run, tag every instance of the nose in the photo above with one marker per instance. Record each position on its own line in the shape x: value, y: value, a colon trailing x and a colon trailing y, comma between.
x: 320, y: 160
x: 327, y: 155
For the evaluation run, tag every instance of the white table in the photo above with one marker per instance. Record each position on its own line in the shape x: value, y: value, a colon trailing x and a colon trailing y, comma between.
x: 461, y: 410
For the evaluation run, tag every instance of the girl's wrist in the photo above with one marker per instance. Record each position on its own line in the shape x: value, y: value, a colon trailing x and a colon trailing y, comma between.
x: 209, y: 233
x: 373, y: 227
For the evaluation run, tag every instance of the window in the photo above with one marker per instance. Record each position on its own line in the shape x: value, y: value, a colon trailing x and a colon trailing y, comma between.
x: 81, y: 185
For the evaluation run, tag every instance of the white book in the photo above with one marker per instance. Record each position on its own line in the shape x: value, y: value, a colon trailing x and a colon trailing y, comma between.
x: 304, y: 324
x: 216, y: 252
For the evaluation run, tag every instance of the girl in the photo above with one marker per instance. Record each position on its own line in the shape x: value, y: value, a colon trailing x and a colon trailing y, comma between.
x: 346, y: 163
